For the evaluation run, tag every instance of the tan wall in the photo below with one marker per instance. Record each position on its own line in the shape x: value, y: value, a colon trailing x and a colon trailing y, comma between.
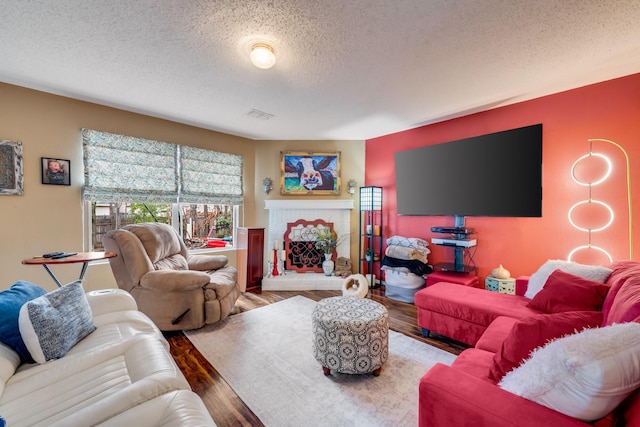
x: 50, y: 217
x: 268, y: 165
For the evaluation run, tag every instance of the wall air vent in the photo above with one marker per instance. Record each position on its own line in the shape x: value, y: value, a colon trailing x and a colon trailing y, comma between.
x: 260, y: 115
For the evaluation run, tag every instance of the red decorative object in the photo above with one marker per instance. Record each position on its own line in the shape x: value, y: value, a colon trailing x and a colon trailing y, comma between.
x: 274, y: 272
x: 216, y: 243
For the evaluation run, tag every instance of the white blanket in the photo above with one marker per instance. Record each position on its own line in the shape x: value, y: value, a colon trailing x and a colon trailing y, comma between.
x: 402, y: 252
x: 408, y: 242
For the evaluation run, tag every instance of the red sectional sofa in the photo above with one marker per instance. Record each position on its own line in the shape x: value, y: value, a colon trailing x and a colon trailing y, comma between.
x: 500, y: 327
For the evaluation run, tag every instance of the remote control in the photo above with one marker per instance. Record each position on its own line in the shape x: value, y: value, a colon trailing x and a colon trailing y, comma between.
x: 64, y: 255
x: 52, y: 254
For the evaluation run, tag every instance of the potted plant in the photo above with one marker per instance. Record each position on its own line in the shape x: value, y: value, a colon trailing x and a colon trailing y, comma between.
x: 368, y: 254
x: 326, y: 241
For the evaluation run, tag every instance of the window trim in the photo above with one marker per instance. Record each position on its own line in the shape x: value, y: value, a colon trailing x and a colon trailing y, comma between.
x: 175, y: 216
x: 110, y: 158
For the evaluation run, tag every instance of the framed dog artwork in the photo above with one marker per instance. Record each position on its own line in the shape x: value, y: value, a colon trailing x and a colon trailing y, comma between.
x: 306, y: 173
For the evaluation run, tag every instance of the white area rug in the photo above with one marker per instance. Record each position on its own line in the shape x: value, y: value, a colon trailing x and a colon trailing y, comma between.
x: 266, y: 356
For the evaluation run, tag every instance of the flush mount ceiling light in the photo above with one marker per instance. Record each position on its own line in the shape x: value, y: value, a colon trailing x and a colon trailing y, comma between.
x: 262, y: 55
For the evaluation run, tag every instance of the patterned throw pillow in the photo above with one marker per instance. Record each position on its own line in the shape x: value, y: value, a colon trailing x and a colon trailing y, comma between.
x: 408, y: 242
x: 53, y: 323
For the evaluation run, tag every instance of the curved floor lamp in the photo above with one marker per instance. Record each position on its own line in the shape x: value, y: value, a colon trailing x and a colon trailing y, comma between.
x: 590, y: 200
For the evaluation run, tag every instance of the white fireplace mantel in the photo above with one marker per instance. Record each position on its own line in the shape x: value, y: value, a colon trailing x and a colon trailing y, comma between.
x: 309, y: 204
x: 281, y: 212
x: 335, y: 211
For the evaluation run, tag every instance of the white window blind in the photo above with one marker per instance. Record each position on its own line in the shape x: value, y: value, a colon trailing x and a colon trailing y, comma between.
x: 130, y: 169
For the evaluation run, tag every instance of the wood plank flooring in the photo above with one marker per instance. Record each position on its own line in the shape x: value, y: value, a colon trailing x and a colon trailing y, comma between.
x: 226, y: 408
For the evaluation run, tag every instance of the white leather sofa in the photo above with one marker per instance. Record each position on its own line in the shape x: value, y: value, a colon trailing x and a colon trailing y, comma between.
x: 120, y: 374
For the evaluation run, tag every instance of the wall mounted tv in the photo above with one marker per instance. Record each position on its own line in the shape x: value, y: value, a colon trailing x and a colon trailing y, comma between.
x: 495, y: 175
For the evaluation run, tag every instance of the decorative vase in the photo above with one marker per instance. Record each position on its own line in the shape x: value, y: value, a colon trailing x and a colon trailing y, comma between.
x: 500, y: 272
x: 327, y: 265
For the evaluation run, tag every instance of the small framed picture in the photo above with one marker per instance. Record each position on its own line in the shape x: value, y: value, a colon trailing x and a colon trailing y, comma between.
x: 56, y: 171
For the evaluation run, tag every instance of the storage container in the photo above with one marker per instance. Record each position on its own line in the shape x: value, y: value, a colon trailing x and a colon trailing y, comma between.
x: 402, y: 286
x: 505, y: 286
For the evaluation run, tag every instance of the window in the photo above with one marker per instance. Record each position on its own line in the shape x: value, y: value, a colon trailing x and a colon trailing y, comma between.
x: 132, y: 180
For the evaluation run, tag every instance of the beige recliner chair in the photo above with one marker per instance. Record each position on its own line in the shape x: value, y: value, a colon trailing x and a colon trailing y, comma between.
x: 176, y: 290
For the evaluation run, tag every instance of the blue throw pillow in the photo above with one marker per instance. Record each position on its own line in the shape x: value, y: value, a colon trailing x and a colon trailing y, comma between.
x: 11, y: 300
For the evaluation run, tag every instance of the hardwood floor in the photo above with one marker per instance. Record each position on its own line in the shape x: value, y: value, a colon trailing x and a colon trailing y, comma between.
x: 226, y: 408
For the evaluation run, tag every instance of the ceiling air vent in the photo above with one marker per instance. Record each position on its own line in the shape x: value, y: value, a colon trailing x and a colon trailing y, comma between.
x: 260, y: 115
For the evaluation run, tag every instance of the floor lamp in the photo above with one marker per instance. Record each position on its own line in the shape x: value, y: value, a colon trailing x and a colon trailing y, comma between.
x: 592, y: 202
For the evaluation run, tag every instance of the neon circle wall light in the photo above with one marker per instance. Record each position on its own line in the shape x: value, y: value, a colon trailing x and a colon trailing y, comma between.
x: 586, y: 156
x: 589, y: 247
x: 589, y: 200
x: 597, y: 202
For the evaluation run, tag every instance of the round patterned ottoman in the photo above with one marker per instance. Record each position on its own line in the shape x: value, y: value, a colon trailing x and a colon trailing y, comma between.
x: 350, y: 335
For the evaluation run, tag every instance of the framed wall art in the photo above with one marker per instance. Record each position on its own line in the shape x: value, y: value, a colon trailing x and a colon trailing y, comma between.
x: 11, y: 175
x: 306, y: 173
x: 56, y: 171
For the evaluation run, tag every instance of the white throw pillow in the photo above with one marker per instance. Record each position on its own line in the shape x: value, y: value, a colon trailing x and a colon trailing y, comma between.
x: 539, y: 278
x: 585, y: 375
x: 53, y: 323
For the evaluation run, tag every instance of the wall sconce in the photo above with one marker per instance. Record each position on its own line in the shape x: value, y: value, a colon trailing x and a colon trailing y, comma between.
x: 593, y: 204
x: 351, y: 186
x: 267, y: 185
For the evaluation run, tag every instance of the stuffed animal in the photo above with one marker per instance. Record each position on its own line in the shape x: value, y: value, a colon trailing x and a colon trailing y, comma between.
x: 343, y: 267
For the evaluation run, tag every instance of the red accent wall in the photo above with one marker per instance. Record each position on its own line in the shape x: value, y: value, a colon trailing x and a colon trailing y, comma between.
x: 608, y: 110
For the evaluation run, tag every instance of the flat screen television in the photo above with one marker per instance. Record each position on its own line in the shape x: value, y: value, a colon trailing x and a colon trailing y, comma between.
x: 495, y: 175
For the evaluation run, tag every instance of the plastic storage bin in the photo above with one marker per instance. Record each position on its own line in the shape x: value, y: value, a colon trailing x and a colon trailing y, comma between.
x: 402, y: 286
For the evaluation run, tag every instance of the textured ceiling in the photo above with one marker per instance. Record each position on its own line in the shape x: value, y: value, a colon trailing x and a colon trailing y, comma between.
x: 352, y: 69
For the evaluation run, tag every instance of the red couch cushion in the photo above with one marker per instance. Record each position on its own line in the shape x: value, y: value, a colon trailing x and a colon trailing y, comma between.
x: 493, y: 337
x: 568, y: 292
x: 449, y: 397
x: 623, y: 301
x: 535, y: 331
x: 463, y: 313
x: 478, y: 306
x: 475, y: 362
x: 628, y: 413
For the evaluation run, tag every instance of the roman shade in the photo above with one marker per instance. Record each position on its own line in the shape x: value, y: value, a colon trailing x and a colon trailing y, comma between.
x: 130, y: 169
